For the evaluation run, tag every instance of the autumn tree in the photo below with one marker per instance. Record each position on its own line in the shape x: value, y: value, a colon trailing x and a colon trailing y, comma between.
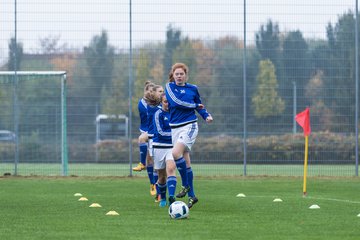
x: 323, y: 116
x: 266, y: 101
x: 65, y: 62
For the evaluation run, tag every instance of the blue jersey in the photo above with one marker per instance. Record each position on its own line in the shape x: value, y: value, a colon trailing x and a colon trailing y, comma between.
x: 162, y: 130
x: 183, y: 101
x: 150, y: 119
x: 142, y: 107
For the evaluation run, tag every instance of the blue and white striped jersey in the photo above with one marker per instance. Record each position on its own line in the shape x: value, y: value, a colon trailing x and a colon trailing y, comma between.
x: 142, y: 107
x: 183, y: 101
x: 162, y: 130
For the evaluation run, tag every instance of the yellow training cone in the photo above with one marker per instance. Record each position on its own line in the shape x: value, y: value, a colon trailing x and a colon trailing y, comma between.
x: 78, y: 195
x: 83, y: 199
x: 277, y: 200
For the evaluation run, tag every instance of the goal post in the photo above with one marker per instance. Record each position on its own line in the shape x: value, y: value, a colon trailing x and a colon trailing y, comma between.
x: 39, y: 110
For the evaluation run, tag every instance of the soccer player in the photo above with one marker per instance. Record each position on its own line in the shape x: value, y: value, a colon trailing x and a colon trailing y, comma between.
x: 184, y: 99
x: 153, y: 101
x: 143, y: 138
x: 163, y: 160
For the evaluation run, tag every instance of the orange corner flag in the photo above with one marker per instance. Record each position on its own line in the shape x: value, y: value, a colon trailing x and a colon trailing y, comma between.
x: 303, y: 119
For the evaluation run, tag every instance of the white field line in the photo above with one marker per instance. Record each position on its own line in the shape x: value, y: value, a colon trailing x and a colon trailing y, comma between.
x: 308, y: 197
x: 335, y: 200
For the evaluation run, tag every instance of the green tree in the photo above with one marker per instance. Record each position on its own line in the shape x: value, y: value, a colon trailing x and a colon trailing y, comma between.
x: 266, y: 100
x: 99, y: 57
x: 268, y: 41
x: 296, y: 64
x: 114, y: 100
x: 319, y: 55
x: 142, y: 73
x: 92, y: 85
x: 341, y: 70
x: 16, y: 51
x: 173, y: 40
x: 185, y: 53
x: 226, y: 77
x: 295, y: 58
x: 269, y: 46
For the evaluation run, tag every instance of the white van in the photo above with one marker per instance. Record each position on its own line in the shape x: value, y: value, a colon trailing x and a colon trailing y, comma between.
x: 7, y: 136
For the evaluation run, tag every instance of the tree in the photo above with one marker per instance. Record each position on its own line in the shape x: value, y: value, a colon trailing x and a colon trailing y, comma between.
x: 296, y: 62
x: 186, y: 54
x: 142, y: 74
x: 99, y: 57
x: 65, y: 62
x: 173, y: 40
x: 265, y: 100
x: 268, y: 44
x: 322, y: 115
x: 50, y: 44
x: 319, y: 55
x: 295, y: 58
x: 268, y: 41
x: 115, y: 99
x: 16, y: 53
x: 341, y: 71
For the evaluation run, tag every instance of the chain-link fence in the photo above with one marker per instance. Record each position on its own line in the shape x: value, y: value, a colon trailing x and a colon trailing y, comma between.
x: 256, y: 63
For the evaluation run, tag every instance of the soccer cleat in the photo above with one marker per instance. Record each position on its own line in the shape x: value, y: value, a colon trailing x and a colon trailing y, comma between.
x: 183, y: 192
x: 157, y: 198
x: 192, y: 201
x: 152, y: 190
x: 171, y: 200
x: 162, y: 203
x: 139, y: 167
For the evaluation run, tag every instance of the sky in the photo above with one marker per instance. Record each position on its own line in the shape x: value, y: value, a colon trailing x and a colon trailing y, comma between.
x: 75, y: 22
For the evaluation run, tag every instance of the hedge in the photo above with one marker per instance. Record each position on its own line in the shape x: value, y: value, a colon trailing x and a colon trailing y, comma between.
x: 324, y: 147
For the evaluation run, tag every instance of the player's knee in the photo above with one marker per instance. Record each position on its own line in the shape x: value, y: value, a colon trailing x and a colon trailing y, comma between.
x: 177, y: 154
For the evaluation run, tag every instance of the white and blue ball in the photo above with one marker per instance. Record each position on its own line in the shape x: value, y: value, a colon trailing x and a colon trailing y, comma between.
x: 178, y: 210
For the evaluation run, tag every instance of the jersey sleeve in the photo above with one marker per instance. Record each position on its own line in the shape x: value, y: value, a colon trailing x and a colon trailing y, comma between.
x: 203, y: 112
x: 143, y: 117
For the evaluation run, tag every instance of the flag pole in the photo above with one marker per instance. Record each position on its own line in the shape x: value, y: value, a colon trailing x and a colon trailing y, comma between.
x: 305, y: 164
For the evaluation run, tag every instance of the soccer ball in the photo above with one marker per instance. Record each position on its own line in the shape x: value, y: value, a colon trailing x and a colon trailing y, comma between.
x: 178, y: 210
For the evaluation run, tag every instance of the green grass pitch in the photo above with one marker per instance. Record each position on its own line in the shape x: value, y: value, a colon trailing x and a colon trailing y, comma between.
x: 46, y: 208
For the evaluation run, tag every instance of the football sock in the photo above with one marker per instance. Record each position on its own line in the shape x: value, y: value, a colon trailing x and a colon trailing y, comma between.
x: 181, y: 167
x: 162, y: 190
x: 190, y: 175
x: 150, y: 171
x: 171, y: 185
x: 143, y: 152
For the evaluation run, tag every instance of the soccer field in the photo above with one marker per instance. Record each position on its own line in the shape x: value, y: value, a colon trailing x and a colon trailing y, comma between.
x: 46, y: 208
